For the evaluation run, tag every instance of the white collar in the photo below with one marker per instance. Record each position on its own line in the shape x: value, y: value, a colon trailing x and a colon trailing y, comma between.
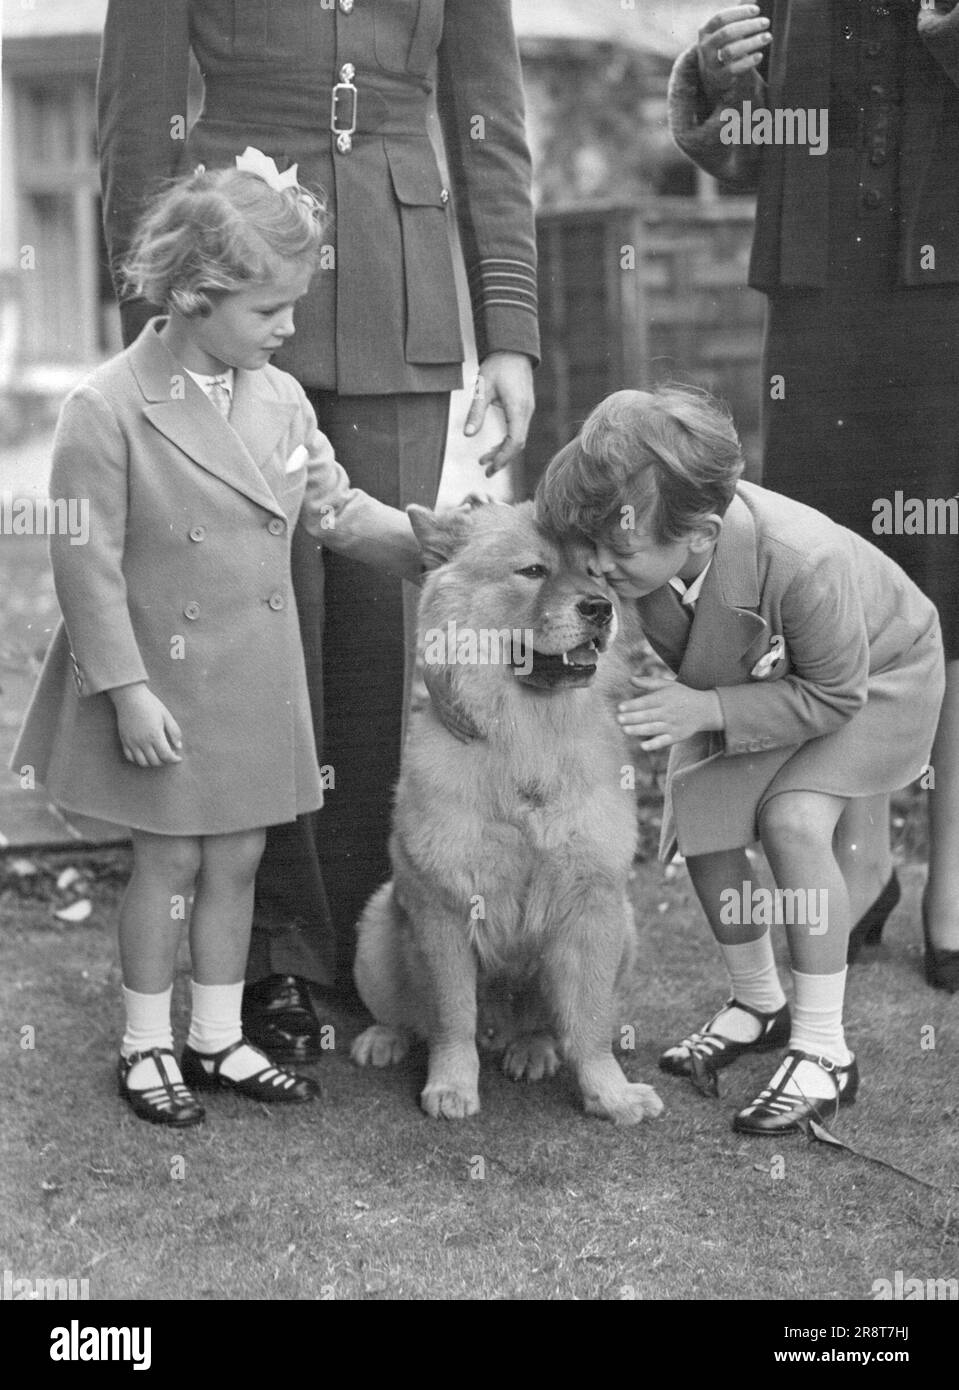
x: 690, y: 592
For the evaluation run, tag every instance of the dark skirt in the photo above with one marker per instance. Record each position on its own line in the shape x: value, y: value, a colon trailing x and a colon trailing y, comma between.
x: 870, y: 409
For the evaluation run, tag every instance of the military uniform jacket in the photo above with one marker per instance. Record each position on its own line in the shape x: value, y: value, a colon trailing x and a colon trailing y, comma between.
x: 381, y: 316
x: 827, y: 661
x: 184, y: 583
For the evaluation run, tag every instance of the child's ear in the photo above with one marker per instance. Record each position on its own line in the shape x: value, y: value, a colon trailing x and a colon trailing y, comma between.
x: 440, y: 534
x: 707, y: 533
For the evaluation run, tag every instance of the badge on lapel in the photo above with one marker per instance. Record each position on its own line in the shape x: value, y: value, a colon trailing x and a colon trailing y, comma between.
x: 765, y: 665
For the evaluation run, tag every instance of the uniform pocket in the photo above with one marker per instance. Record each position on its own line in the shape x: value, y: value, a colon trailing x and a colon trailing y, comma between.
x: 432, y: 311
x: 406, y: 34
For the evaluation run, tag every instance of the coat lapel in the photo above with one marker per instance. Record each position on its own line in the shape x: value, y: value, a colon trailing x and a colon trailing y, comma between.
x: 727, y: 622
x: 231, y: 451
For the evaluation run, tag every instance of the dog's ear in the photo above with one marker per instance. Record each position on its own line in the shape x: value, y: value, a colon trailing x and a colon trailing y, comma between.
x: 440, y: 534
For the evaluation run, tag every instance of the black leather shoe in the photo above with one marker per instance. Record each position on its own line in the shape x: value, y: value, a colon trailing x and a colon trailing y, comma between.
x: 774, y: 1112
x: 278, y: 1017
x: 868, y: 930
x: 716, y: 1052
x: 170, y: 1103
x: 271, y: 1084
x: 941, y: 962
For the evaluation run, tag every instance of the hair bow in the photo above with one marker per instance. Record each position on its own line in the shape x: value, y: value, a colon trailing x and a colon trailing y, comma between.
x: 254, y: 161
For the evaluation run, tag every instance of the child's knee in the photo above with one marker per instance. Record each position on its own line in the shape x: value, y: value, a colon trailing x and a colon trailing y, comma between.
x: 788, y: 822
x: 176, y: 858
x: 237, y: 856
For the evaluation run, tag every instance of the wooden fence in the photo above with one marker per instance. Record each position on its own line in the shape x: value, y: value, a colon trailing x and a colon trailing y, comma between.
x: 631, y: 296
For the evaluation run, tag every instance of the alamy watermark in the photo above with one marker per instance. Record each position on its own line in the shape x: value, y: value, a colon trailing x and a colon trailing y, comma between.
x: 484, y: 646
x: 900, y: 515
x: 782, y: 126
x: 13, y: 1289
x: 45, y: 516
x: 775, y: 907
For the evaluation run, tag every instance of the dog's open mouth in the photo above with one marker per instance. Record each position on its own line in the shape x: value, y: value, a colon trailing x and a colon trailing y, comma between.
x: 547, y: 671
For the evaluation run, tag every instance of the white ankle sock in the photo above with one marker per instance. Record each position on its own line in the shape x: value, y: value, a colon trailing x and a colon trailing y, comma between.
x: 215, y: 1024
x: 754, y: 980
x: 817, y: 1016
x: 148, y: 1026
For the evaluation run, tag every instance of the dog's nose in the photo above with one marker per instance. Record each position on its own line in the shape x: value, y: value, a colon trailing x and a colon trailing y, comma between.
x: 597, y: 610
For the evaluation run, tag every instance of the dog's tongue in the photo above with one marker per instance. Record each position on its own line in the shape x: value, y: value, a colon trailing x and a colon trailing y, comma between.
x: 582, y: 656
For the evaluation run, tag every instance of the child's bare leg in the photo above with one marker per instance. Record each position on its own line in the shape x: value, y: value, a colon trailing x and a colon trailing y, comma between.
x: 863, y: 851
x: 797, y: 833
x: 941, y: 898
x: 151, y: 920
x: 223, y: 909
x: 219, y: 943
x: 746, y: 947
x: 151, y: 916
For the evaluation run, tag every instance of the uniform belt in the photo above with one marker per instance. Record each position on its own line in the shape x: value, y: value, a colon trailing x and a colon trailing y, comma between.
x: 382, y: 107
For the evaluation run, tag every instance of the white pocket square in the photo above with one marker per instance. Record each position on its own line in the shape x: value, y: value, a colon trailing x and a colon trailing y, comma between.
x: 297, y: 459
x: 764, y: 666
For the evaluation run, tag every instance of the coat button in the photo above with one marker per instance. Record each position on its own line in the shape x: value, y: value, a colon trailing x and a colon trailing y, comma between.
x: 872, y: 197
x: 192, y: 611
x: 276, y: 602
x: 276, y: 527
x: 346, y: 6
x: 198, y: 533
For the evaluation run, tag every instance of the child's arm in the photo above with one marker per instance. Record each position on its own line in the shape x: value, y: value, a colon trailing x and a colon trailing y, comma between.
x: 351, y: 521
x: 90, y: 466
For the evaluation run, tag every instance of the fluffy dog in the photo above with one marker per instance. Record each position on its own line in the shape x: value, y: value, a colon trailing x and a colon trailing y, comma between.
x: 511, y: 853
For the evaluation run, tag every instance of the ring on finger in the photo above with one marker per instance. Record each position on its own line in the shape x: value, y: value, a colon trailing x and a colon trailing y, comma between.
x: 721, y: 57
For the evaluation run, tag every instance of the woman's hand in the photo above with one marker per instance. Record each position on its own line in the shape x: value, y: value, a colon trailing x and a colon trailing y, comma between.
x: 731, y: 43
x: 669, y: 712
x: 149, y: 734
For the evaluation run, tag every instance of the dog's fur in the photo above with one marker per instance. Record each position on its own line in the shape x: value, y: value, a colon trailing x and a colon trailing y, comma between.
x: 511, y: 853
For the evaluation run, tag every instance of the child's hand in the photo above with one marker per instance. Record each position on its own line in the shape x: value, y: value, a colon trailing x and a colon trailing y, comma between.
x: 149, y: 734
x: 669, y: 712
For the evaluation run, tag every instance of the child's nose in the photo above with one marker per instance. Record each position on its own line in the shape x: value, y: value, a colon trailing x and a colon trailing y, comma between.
x: 605, y: 560
x: 285, y: 326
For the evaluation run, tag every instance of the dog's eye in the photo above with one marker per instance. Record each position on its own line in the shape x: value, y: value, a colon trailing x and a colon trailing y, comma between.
x: 534, y: 572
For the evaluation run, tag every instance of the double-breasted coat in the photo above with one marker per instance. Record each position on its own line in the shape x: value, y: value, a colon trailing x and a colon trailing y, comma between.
x: 381, y: 316
x: 828, y: 664
x: 184, y: 582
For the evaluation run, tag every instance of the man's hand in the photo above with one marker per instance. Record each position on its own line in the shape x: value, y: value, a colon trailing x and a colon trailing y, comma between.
x: 505, y: 379
x: 936, y: 23
x: 149, y: 734
x: 669, y: 712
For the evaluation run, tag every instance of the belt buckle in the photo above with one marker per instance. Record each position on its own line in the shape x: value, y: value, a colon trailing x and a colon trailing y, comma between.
x: 344, y: 132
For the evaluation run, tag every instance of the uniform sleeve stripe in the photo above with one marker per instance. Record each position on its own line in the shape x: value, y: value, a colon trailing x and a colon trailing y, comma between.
x: 510, y: 303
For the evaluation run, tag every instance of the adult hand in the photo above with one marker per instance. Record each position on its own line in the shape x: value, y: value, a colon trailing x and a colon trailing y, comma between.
x: 505, y: 379
x: 935, y: 22
x: 669, y: 712
x: 149, y: 735
x: 729, y: 44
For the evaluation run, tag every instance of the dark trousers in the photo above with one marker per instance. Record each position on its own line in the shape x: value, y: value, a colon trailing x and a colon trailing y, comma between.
x: 319, y: 871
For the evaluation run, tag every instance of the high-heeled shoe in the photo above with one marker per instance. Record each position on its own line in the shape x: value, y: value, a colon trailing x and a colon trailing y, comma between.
x: 868, y: 930
x: 941, y: 962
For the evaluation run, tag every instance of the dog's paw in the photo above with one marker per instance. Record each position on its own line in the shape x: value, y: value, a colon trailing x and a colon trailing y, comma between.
x: 631, y: 1103
x: 530, y: 1058
x: 380, y: 1046
x: 449, y: 1102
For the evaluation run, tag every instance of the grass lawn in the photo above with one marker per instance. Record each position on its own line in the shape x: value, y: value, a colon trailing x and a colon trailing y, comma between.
x: 360, y: 1196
